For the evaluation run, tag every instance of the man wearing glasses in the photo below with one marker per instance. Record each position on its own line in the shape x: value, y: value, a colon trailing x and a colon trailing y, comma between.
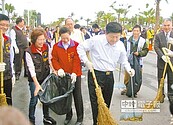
x: 8, y: 56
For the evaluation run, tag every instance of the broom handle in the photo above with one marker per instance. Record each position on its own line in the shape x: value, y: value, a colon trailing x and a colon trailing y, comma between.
x: 169, y: 62
x: 1, y: 61
x: 164, y: 71
x: 56, y: 37
x: 92, y: 71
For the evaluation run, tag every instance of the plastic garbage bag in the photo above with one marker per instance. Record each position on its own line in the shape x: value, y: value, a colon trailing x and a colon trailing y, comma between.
x: 57, y: 93
x: 137, y: 79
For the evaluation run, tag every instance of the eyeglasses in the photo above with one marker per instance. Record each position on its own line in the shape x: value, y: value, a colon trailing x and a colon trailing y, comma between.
x: 4, y: 25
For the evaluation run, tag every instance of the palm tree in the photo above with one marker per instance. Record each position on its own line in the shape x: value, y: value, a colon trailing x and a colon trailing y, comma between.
x: 157, y: 14
x: 99, y: 17
x: 148, y: 15
x: 107, y: 17
x: 87, y: 20
x: 121, y: 10
x: 72, y: 14
x: 33, y: 18
x: 9, y: 8
x: 14, y: 16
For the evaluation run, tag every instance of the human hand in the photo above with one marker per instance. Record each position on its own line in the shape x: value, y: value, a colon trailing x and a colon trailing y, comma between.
x: 89, y: 65
x: 73, y: 77
x: 165, y: 58
x: 131, y: 72
x: 170, y: 40
x: 136, y: 53
x: 37, y: 89
x: 61, y: 73
x: 2, y: 67
x: 168, y: 52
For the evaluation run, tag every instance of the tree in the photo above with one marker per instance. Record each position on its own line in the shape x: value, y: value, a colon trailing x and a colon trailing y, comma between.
x: 99, y: 17
x: 171, y: 17
x: 107, y: 17
x: 148, y: 15
x: 157, y: 14
x: 121, y: 10
x: 9, y: 8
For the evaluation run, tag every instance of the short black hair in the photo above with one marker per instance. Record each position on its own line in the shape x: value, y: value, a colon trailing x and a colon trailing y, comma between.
x: 64, y: 30
x: 4, y: 17
x: 113, y: 27
x: 19, y: 19
x: 137, y: 26
x: 95, y: 26
x: 77, y: 26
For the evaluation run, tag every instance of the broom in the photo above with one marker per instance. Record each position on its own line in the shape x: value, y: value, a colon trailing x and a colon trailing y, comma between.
x: 104, y: 115
x: 159, y: 95
x: 132, y: 116
x: 2, y: 94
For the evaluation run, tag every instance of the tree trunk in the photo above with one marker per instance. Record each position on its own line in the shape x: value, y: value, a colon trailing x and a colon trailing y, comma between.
x: 157, y: 16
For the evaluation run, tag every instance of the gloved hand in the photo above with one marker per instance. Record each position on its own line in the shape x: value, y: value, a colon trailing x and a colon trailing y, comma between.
x: 61, y: 73
x: 16, y: 49
x: 169, y: 52
x: 165, y: 59
x: 170, y: 40
x: 131, y: 72
x: 73, y: 77
x: 89, y: 65
x: 2, y: 67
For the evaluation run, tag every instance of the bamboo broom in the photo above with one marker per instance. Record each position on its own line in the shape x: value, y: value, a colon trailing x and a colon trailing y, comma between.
x: 2, y: 94
x: 159, y: 95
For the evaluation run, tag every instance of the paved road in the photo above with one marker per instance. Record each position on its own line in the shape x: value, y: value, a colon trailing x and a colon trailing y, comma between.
x: 147, y: 93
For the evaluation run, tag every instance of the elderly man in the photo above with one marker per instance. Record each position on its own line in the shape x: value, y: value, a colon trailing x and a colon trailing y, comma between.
x: 161, y: 40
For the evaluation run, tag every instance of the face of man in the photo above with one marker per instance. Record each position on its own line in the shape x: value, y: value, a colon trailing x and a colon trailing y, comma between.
x: 136, y: 32
x: 21, y: 24
x: 69, y: 24
x: 4, y: 25
x: 65, y: 37
x: 167, y: 26
x: 112, y: 38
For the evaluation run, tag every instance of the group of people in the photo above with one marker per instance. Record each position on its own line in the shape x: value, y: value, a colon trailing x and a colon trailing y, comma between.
x: 100, y: 53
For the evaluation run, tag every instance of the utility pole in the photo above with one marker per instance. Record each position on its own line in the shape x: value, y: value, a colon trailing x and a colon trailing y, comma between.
x: 3, y: 6
x: 28, y: 17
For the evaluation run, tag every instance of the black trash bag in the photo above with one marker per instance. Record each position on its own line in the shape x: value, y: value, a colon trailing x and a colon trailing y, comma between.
x: 57, y: 93
x: 137, y: 79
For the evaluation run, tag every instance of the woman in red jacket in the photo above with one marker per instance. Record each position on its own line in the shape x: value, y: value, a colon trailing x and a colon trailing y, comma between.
x: 65, y: 59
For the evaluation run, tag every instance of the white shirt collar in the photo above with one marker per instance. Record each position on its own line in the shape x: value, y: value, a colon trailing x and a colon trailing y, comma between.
x: 66, y: 45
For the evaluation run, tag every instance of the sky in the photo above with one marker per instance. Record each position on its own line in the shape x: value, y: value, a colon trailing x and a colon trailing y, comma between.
x: 51, y: 10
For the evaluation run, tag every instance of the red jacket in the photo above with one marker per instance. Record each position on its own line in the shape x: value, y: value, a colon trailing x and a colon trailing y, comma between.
x: 68, y: 59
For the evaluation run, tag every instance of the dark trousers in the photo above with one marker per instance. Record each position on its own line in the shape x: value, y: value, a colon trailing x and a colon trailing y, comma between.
x: 18, y: 61
x: 8, y: 90
x: 169, y: 83
x: 106, y: 82
x: 77, y: 95
x: 169, y: 79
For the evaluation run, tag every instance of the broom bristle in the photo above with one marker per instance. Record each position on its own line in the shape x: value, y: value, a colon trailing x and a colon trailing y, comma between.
x: 104, y: 115
x: 158, y: 97
x: 3, y: 101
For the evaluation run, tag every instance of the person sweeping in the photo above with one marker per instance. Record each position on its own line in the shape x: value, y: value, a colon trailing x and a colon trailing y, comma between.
x: 105, y: 51
x: 6, y: 61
